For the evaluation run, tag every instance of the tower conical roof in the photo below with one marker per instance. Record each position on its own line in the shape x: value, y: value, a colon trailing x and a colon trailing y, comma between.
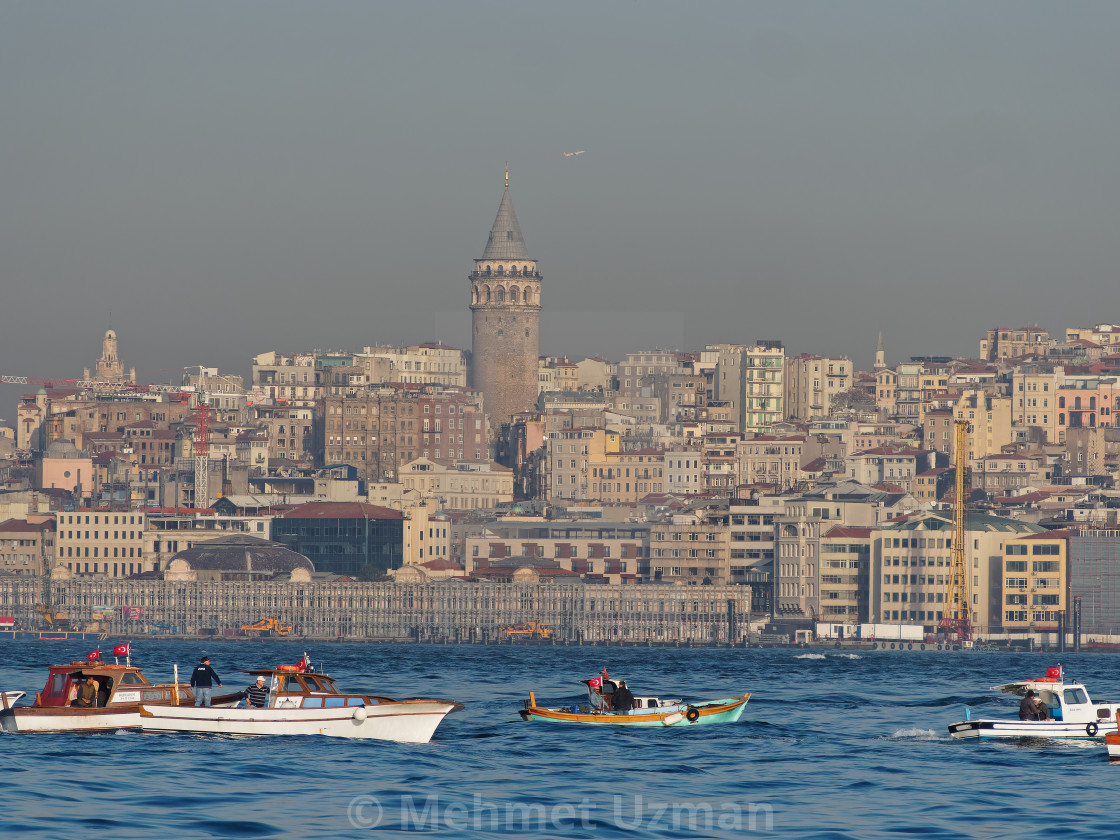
x: 506, y: 241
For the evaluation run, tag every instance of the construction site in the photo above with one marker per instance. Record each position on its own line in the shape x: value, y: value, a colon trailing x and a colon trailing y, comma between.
x: 564, y: 613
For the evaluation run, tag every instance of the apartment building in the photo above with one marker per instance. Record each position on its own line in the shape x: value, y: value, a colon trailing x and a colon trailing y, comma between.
x: 461, y: 486
x: 99, y: 542
x: 1035, y: 582
x: 811, y: 382
x: 27, y: 546
x: 691, y: 549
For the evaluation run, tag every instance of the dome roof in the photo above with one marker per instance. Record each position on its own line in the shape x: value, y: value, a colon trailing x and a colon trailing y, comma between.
x: 242, y: 553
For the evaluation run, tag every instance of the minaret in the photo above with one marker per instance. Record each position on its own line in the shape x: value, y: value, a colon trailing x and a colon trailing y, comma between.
x: 506, y: 314
x: 880, y: 354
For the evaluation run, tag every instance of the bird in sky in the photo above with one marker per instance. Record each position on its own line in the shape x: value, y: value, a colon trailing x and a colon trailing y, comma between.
x: 572, y: 154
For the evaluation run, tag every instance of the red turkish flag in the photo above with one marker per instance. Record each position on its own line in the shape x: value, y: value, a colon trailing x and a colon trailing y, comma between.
x: 94, y: 655
x: 1054, y: 673
x: 595, y: 682
x: 121, y: 650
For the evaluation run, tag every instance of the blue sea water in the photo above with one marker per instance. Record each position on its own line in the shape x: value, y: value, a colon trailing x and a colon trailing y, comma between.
x: 833, y: 745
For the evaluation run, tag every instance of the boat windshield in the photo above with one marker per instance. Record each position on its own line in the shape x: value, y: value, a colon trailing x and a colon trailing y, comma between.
x: 131, y: 678
x: 323, y: 684
x: 1075, y: 696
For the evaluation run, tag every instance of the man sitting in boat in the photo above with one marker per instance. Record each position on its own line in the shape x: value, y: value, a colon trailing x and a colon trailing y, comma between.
x: 87, y: 694
x: 1032, y: 708
x: 256, y: 695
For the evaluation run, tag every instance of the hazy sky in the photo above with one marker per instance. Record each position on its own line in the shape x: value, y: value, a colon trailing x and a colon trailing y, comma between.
x: 228, y: 178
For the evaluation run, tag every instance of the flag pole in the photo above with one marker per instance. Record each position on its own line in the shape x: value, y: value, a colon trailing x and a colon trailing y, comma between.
x: 175, y: 687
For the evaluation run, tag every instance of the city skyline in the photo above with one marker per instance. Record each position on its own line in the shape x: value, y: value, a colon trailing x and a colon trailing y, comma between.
x: 811, y: 174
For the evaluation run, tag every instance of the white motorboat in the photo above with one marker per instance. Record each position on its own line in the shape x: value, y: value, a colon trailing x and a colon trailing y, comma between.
x: 1072, y: 714
x: 305, y: 702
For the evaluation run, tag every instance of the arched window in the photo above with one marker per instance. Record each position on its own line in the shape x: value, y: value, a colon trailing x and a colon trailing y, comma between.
x: 1061, y: 403
x: 1077, y: 402
x: 501, y: 294
x: 529, y: 299
x: 1061, y: 419
x: 501, y: 270
x: 513, y: 295
x: 487, y: 294
x: 1092, y: 403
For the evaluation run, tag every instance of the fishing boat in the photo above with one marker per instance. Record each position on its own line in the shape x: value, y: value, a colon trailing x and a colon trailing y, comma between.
x: 302, y: 701
x: 646, y: 711
x: 119, y: 690
x: 1112, y: 742
x: 1072, y: 714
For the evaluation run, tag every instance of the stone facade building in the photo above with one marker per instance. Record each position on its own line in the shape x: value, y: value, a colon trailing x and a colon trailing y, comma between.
x: 506, y: 313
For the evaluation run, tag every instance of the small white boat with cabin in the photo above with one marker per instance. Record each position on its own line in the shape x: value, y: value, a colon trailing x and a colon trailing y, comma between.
x: 302, y: 701
x: 1072, y: 713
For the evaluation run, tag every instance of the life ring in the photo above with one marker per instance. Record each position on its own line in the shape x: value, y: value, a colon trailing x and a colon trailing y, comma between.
x: 923, y: 647
x: 910, y: 646
x: 892, y: 645
x: 1091, y: 729
x: 874, y: 645
x: 692, y: 715
x: 939, y: 645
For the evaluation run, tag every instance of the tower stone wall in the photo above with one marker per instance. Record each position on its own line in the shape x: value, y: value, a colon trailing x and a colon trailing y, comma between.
x: 505, y: 311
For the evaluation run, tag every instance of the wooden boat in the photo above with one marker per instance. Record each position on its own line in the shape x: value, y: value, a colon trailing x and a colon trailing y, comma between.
x: 647, y: 711
x: 306, y: 702
x: 120, y: 690
x: 1072, y: 713
x: 1112, y: 741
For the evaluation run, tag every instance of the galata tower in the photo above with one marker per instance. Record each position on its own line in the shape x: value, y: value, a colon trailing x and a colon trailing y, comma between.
x: 506, y: 316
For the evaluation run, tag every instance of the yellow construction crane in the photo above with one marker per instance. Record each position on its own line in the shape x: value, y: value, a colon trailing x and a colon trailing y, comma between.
x: 957, y: 618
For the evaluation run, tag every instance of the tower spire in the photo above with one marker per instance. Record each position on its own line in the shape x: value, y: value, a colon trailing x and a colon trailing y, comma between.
x: 507, y: 175
x: 880, y: 354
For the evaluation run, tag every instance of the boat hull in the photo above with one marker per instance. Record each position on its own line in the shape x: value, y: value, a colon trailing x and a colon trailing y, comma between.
x: 728, y: 710
x: 28, y: 719
x: 990, y: 729
x: 1112, y: 744
x: 407, y: 721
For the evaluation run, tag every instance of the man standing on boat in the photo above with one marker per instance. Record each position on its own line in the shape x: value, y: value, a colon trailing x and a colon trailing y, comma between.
x: 623, y: 698
x: 202, y: 681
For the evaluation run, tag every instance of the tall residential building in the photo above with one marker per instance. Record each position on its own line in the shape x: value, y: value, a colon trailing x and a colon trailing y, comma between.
x: 751, y: 381
x: 1012, y: 343
x: 506, y: 314
x: 811, y: 382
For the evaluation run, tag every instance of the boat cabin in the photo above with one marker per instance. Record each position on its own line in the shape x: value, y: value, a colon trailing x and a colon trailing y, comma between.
x: 117, y: 685
x: 1067, y: 701
x: 290, y: 687
x: 600, y: 696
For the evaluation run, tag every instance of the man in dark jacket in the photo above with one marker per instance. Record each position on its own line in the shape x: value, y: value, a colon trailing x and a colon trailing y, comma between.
x: 256, y: 695
x: 623, y: 699
x: 202, y: 681
x: 1031, y: 708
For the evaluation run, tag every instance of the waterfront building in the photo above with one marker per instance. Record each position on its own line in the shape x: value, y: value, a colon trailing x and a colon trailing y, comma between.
x: 598, y: 548
x: 345, y: 538
x: 466, y: 611
x: 505, y: 302
x: 691, y: 548
x: 27, y: 546
x: 102, y: 542
x: 912, y: 557
x: 844, y: 568
x: 1035, y: 582
x: 1094, y: 575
